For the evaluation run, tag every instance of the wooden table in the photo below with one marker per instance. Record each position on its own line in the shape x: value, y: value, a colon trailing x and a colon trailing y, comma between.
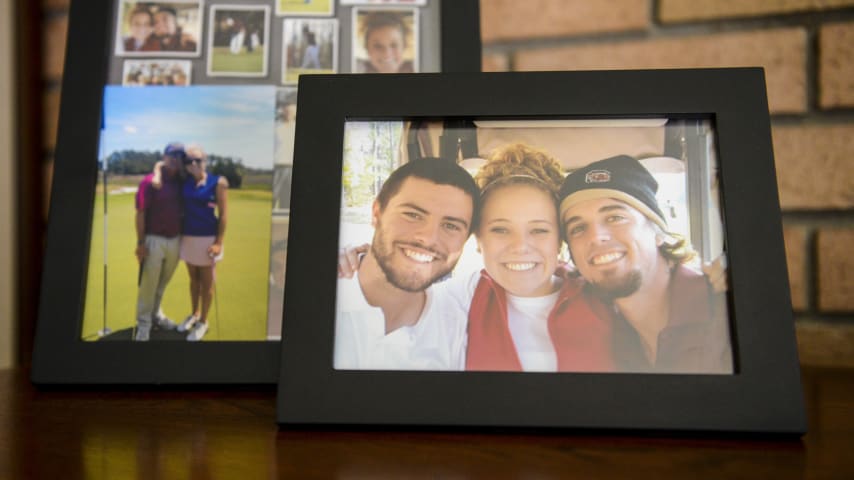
x: 231, y: 433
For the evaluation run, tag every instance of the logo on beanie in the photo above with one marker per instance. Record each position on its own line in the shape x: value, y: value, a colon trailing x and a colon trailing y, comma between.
x: 597, y: 176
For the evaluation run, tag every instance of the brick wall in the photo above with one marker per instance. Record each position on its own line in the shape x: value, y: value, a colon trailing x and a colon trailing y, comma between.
x: 807, y: 50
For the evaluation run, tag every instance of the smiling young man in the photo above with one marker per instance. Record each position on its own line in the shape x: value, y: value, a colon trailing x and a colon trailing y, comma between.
x: 389, y: 316
x: 666, y: 318
x: 169, y: 34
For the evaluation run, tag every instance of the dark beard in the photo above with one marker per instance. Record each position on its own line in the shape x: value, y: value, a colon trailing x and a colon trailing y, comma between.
x: 611, y: 290
x: 403, y: 282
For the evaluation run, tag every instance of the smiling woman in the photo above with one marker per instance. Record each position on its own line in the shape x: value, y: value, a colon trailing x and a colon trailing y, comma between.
x: 385, y: 40
x: 514, y: 323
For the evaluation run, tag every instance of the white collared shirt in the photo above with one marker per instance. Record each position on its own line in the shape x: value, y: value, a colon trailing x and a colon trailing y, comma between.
x: 436, y: 342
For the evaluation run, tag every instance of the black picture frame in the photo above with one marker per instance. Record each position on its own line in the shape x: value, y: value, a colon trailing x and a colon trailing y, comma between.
x: 762, y: 396
x: 60, y: 356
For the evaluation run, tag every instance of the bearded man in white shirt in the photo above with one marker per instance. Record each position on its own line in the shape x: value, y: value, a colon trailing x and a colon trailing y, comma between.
x: 391, y: 315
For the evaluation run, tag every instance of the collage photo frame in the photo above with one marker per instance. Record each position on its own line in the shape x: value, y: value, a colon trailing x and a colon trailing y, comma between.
x: 233, y: 113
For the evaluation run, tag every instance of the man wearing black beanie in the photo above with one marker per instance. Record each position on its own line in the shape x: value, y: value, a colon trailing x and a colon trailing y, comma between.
x: 665, y: 317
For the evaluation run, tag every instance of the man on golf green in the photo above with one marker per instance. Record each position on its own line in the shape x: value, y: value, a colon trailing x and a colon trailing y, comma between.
x: 158, y: 229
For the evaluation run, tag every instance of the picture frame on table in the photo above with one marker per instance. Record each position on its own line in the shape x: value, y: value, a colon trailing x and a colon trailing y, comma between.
x: 91, y: 275
x: 624, y: 135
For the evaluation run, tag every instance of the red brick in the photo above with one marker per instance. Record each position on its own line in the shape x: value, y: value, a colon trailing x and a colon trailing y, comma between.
x: 50, y: 118
x: 835, y: 270
x: 796, y: 251
x: 836, y: 65
x: 781, y: 51
x: 693, y: 10
x: 495, y: 62
x: 53, y: 55
x: 515, y: 19
x: 814, y: 168
x: 824, y: 344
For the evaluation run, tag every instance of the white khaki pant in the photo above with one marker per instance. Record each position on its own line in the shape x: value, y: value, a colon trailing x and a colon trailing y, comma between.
x: 157, y: 270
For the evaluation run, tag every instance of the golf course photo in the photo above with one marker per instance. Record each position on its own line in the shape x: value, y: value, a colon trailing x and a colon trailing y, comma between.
x: 224, y: 61
x: 239, y: 311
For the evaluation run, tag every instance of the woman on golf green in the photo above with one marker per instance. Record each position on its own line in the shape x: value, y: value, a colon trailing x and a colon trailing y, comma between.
x: 202, y: 233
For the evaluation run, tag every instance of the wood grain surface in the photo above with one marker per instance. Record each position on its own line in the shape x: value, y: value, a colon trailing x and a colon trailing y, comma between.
x: 231, y: 433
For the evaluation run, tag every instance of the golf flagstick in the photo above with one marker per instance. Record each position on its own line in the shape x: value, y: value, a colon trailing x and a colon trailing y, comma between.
x: 216, y: 297
x: 105, y: 330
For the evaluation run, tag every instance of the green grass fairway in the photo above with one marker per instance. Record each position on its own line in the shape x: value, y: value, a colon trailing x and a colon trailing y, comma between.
x: 244, y: 62
x: 299, y: 6
x: 293, y: 73
x: 242, y: 275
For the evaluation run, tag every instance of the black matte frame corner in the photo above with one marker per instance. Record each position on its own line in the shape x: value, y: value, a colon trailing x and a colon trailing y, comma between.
x: 60, y: 356
x: 763, y: 397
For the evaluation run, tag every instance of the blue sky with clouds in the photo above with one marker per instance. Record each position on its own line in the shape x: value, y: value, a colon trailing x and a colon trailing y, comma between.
x: 236, y: 121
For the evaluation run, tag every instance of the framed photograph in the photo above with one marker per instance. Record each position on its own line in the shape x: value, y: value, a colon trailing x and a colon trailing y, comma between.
x: 569, y: 241
x: 99, y: 265
x: 228, y: 129
x: 310, y: 47
x: 164, y: 29
x: 385, y: 40
x: 162, y: 72
x: 310, y: 8
x: 238, y: 40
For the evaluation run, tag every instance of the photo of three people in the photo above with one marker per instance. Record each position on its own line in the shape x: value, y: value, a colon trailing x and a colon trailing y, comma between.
x: 566, y: 273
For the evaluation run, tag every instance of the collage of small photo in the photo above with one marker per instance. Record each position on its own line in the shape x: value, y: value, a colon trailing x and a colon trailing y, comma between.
x: 238, y: 41
x: 274, y: 41
x: 385, y: 40
x: 166, y: 72
x: 238, y: 63
x: 311, y: 46
x: 167, y: 29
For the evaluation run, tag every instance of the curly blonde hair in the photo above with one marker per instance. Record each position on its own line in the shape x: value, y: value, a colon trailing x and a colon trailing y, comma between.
x: 519, y: 164
x: 513, y: 163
